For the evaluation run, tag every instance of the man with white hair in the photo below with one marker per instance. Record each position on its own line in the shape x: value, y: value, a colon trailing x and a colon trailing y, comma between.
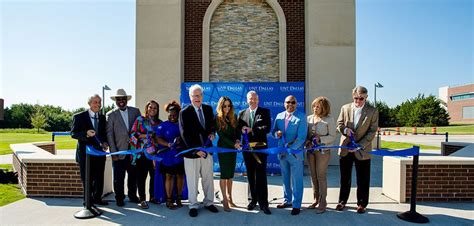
x: 197, y: 128
x: 360, y: 121
x: 88, y: 128
x: 256, y: 121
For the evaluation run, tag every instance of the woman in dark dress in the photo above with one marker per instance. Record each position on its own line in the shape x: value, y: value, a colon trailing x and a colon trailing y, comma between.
x: 229, y: 137
x: 168, y: 136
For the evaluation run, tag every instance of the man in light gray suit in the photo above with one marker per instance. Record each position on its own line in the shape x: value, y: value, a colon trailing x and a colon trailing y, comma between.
x: 119, y: 123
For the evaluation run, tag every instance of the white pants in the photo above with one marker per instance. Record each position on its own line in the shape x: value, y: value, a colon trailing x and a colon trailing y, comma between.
x: 195, y: 168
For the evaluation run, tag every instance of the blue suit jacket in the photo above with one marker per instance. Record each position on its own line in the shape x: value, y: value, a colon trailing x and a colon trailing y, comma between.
x: 296, y: 132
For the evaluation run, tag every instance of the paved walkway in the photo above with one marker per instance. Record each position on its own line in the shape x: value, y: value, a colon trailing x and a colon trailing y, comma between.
x: 381, y: 210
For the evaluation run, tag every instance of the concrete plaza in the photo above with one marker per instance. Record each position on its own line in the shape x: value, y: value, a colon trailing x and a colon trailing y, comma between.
x: 381, y: 210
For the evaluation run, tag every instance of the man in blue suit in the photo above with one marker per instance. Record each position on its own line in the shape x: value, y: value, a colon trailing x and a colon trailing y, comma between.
x: 290, y: 128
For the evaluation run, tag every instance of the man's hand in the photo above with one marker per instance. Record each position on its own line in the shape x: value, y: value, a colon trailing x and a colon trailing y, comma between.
x: 237, y: 145
x: 90, y: 133
x: 212, y: 136
x: 142, y: 136
x: 201, y: 154
x: 115, y: 158
x: 249, y: 130
x: 349, y: 132
x: 279, y: 133
x: 105, y: 146
x: 308, y: 144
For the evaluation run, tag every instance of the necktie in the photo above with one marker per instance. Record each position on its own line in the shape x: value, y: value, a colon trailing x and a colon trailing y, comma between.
x: 201, y: 118
x: 252, y: 118
x: 287, y: 120
x: 95, y: 122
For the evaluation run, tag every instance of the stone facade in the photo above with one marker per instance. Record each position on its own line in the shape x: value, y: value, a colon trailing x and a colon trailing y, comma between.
x: 244, y: 43
x: 294, y: 10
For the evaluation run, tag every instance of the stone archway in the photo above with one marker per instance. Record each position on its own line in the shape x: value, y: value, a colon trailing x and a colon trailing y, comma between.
x: 244, y: 41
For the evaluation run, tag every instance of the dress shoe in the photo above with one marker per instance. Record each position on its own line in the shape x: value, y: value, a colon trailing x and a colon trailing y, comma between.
x: 120, y: 203
x: 295, y: 211
x: 321, y: 209
x: 212, y: 208
x: 340, y: 207
x: 251, y: 206
x: 193, y: 212
x: 143, y: 205
x: 312, y: 206
x: 283, y: 205
x: 266, y: 210
x: 360, y: 209
x: 101, y: 202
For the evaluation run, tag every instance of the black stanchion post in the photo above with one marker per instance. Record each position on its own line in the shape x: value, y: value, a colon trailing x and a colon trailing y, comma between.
x: 88, y: 211
x: 52, y: 137
x: 446, y: 134
x: 412, y: 215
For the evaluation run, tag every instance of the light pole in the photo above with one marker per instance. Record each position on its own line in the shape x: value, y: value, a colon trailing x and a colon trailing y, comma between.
x: 105, y: 87
x: 376, y: 85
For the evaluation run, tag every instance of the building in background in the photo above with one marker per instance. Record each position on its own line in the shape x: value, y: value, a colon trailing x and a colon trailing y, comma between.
x: 459, y: 101
x: 310, y: 41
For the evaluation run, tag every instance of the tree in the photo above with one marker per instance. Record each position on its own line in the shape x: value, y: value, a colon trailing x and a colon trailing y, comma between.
x: 422, y: 111
x: 38, y: 120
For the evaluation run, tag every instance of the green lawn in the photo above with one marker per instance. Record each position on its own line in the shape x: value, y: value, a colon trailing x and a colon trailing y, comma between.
x: 453, y: 129
x: 402, y: 145
x: 10, y: 193
x: 62, y: 142
x: 8, y: 167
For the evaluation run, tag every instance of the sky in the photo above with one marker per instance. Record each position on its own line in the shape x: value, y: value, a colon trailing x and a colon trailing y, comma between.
x: 60, y: 52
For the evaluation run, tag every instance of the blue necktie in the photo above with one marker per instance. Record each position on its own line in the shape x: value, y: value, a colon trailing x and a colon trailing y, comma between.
x: 201, y: 118
x: 95, y: 122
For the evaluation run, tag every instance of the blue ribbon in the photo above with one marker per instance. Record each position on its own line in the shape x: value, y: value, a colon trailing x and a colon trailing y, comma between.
x: 92, y: 151
x: 415, y: 150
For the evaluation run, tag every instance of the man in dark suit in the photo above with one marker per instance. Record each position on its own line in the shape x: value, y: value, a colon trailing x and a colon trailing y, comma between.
x: 86, y: 127
x: 257, y: 122
x: 119, y: 123
x: 197, y: 125
x: 361, y: 121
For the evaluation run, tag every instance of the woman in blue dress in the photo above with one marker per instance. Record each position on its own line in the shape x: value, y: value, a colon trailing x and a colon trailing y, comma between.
x: 168, y: 137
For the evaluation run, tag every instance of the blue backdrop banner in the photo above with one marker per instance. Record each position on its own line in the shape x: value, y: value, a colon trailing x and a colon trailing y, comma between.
x: 271, y: 95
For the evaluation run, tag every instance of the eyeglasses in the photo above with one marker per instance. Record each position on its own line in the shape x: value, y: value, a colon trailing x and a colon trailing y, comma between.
x: 226, y: 106
x: 291, y: 102
x: 359, y: 98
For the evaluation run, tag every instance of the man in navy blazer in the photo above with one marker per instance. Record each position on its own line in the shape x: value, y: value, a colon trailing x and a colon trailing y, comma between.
x: 197, y: 125
x: 88, y: 128
x: 257, y: 122
x: 290, y: 127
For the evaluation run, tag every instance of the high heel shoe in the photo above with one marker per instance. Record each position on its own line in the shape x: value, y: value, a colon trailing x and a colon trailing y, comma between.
x: 225, y: 204
x: 170, y: 204
x: 232, y: 204
x: 178, y: 201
